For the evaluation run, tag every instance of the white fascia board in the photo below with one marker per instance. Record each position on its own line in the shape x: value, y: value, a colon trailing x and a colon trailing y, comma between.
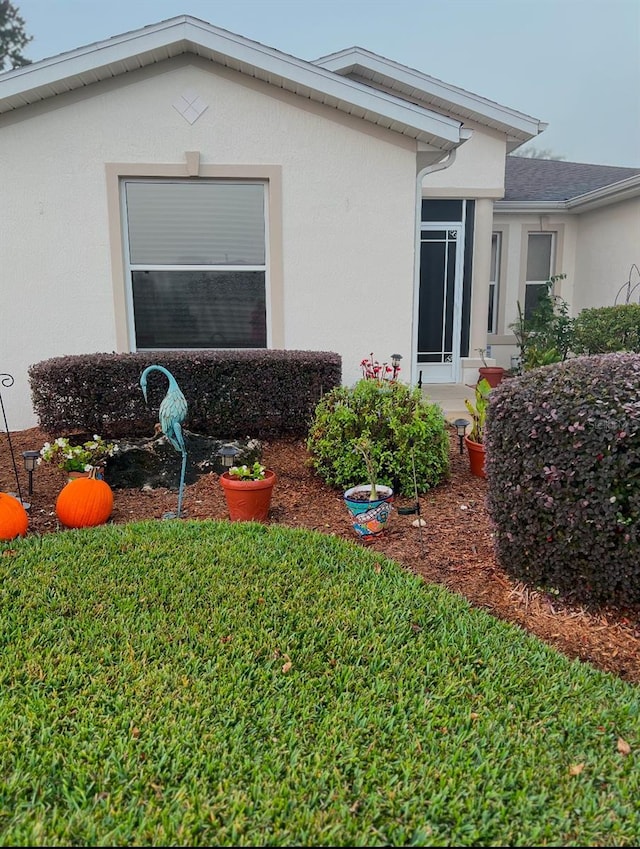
x: 348, y: 60
x: 614, y: 192
x: 187, y: 31
x: 536, y: 206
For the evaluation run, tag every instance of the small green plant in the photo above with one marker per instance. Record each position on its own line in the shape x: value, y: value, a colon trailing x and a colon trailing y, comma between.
x: 364, y: 447
x: 77, y: 458
x: 256, y: 472
x: 478, y: 411
x: 546, y: 336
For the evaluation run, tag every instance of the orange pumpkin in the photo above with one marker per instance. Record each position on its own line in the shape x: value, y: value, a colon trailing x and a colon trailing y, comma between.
x: 13, y: 517
x: 84, y: 503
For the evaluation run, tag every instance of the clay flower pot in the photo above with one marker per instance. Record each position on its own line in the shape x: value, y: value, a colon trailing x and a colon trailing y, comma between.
x: 247, y: 500
x: 476, y: 457
x: 493, y: 374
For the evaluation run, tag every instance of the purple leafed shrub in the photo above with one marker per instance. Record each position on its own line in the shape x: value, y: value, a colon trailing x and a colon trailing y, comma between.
x: 563, y: 472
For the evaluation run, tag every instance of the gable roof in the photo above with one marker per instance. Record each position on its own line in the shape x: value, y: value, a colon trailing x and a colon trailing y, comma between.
x: 354, y: 81
x: 185, y: 34
x: 537, y: 184
x: 385, y: 75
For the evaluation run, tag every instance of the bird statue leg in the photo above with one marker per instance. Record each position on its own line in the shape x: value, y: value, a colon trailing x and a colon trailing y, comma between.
x: 181, y: 489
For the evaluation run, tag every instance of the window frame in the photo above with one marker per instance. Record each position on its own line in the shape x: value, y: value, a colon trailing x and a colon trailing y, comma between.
x: 130, y: 267
x: 494, y: 285
x: 552, y: 261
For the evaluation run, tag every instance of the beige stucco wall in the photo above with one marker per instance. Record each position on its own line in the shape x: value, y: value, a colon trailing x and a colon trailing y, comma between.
x: 478, y: 170
x: 347, y: 216
x: 608, y: 244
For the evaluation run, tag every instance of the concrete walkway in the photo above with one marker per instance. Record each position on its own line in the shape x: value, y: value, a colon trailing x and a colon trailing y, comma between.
x: 451, y: 397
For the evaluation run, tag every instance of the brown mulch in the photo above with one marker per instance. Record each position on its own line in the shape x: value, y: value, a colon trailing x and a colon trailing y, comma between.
x: 454, y: 548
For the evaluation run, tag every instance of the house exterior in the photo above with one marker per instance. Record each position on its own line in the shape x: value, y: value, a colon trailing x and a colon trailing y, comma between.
x: 562, y: 218
x: 180, y: 186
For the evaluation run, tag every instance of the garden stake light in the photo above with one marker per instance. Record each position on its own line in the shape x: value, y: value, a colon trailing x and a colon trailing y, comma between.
x: 395, y: 362
x: 30, y: 459
x: 461, y: 426
x: 228, y: 454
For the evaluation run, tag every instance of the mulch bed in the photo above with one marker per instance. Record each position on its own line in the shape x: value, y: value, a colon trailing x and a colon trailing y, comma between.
x: 454, y: 548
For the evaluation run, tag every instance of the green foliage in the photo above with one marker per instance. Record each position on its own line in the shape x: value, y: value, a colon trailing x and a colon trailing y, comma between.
x: 478, y: 411
x: 603, y: 330
x: 230, y: 394
x: 248, y: 473
x: 400, y: 424
x: 13, y: 37
x: 546, y: 337
x: 230, y: 684
x: 563, y: 470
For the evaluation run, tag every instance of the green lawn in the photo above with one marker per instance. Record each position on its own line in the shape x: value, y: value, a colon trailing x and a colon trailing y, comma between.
x: 184, y: 683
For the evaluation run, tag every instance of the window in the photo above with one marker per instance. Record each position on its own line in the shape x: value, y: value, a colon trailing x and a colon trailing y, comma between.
x: 540, y: 258
x: 494, y: 277
x: 197, y: 263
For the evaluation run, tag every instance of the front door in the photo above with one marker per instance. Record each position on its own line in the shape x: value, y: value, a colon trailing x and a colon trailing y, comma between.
x: 440, y: 290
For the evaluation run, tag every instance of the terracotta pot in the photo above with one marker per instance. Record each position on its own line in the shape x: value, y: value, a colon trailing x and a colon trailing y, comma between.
x: 95, y: 472
x: 493, y: 374
x: 476, y: 457
x: 248, y: 501
x: 369, y: 518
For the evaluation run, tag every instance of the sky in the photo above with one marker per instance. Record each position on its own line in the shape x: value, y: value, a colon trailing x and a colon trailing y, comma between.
x: 574, y: 64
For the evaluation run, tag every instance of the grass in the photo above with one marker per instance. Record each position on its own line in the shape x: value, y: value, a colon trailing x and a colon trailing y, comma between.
x: 185, y: 683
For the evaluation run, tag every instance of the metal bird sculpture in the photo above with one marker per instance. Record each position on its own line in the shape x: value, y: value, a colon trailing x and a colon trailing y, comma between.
x: 172, y: 412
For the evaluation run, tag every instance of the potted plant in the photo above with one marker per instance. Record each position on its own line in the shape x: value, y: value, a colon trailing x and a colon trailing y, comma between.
x: 84, y: 460
x: 492, y: 374
x: 474, y: 440
x: 248, y: 491
x: 369, y: 504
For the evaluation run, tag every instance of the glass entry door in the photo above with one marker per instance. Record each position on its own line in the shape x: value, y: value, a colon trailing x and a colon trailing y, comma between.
x: 440, y: 297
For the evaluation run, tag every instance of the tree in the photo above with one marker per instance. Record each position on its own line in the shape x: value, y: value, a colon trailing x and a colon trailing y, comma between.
x: 13, y: 38
x: 537, y: 153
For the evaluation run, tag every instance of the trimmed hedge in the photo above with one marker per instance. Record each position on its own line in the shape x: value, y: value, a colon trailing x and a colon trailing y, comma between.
x: 603, y: 330
x: 403, y: 427
x: 563, y: 472
x: 231, y: 394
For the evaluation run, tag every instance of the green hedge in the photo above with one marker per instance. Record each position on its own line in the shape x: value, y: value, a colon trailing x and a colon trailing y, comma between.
x: 603, y: 330
x: 563, y: 471
x: 231, y: 394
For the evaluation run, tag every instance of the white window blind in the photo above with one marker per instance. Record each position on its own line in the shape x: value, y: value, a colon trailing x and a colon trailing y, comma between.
x: 200, y: 223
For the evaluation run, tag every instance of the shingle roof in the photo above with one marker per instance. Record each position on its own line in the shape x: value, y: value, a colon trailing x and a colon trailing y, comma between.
x: 555, y: 180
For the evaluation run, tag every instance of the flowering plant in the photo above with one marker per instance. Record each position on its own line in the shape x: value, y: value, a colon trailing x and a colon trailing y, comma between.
x: 248, y: 473
x: 373, y: 370
x: 77, y: 458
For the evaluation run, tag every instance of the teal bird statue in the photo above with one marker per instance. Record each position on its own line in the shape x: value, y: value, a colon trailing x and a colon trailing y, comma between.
x: 172, y: 412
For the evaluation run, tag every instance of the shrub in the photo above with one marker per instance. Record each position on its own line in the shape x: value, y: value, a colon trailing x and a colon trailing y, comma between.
x: 605, y: 329
x: 563, y: 470
x: 546, y: 336
x: 403, y: 427
x: 232, y: 394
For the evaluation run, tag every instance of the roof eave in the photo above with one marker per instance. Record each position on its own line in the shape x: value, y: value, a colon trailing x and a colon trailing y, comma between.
x: 184, y: 35
x: 355, y: 60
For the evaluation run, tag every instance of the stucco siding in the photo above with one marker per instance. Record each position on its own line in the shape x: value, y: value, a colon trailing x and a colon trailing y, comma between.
x: 348, y: 205
x: 608, y: 244
x: 478, y: 170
